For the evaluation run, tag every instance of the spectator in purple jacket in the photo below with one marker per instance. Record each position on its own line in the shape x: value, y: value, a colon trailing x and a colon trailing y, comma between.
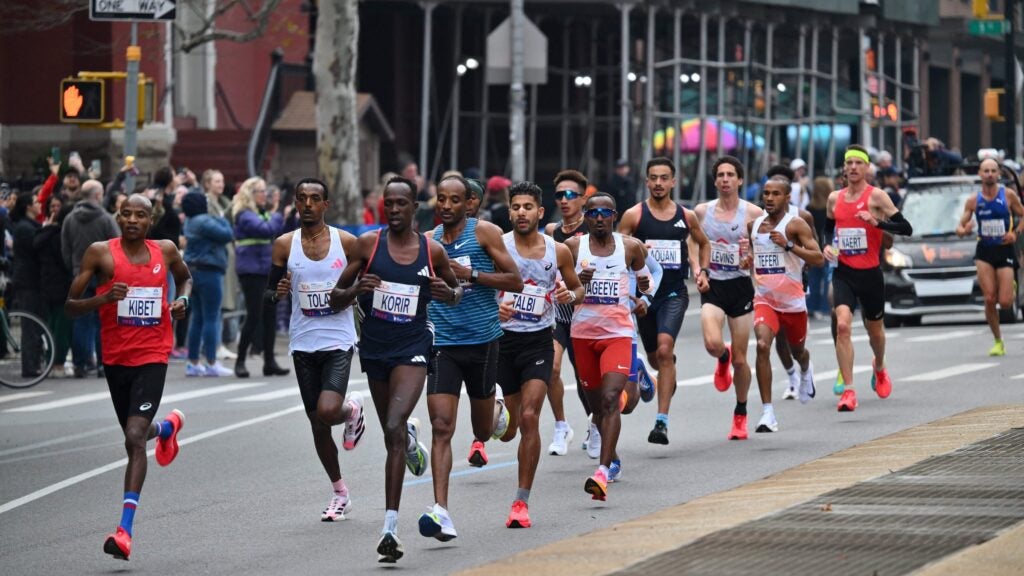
x: 257, y: 223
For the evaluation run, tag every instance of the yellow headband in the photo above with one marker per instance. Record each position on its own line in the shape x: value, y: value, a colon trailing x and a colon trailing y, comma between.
x: 858, y: 155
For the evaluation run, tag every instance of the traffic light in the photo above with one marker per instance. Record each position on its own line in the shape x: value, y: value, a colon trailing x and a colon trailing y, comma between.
x: 980, y: 8
x: 82, y: 101
x: 992, y: 104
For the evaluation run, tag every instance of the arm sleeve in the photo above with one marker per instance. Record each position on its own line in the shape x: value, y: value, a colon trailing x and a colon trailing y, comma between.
x: 896, y: 224
x: 656, y: 272
x: 276, y: 273
x: 830, y: 232
x: 44, y: 195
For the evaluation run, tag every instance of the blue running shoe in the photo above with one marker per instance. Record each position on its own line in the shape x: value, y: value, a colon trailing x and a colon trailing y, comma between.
x: 644, y: 381
x: 615, y: 471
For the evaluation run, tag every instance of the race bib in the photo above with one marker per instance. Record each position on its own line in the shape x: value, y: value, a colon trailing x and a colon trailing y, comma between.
x: 725, y: 257
x: 315, y: 298
x: 394, y: 302
x: 852, y: 241
x: 603, y: 288
x: 668, y: 253
x: 467, y: 263
x: 528, y: 305
x: 769, y: 259
x: 141, y: 307
x: 992, y: 229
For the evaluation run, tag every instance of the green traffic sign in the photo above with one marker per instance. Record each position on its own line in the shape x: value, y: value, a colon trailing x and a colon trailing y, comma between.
x: 995, y: 27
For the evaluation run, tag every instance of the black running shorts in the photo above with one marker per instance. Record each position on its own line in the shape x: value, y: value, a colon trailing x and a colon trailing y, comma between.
x: 321, y: 371
x: 665, y: 316
x: 135, y: 390
x: 734, y: 296
x: 524, y: 356
x: 476, y: 365
x: 851, y: 286
x: 1001, y: 256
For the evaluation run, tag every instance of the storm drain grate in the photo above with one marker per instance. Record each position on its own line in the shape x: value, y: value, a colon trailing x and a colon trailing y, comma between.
x: 886, y: 526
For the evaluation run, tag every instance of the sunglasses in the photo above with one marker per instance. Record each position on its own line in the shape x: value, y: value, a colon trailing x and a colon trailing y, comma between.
x: 599, y: 213
x: 567, y: 194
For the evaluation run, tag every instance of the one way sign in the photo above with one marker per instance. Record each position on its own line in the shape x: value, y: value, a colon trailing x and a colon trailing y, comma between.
x: 145, y: 10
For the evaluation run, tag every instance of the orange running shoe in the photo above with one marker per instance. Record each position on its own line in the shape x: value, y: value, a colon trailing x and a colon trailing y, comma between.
x: 848, y: 401
x: 597, y: 486
x: 739, y: 427
x: 477, y: 455
x: 118, y: 544
x: 519, y: 517
x: 723, y: 372
x: 167, y: 450
x: 881, y: 383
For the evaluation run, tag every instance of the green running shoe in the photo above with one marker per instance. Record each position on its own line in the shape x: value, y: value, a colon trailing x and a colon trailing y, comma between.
x: 839, y: 386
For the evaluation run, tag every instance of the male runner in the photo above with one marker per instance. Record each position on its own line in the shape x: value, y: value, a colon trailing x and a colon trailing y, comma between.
x: 856, y: 218
x: 526, y: 350
x: 729, y: 294
x: 465, y: 343
x: 602, y: 327
x: 663, y: 225
x: 570, y: 186
x: 995, y: 257
x: 781, y: 244
x: 399, y: 273
x: 135, y: 325
x: 306, y: 264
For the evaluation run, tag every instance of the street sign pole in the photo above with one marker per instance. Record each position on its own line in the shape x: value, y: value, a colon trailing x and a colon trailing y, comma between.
x: 131, y: 102
x: 1010, y: 71
x: 517, y: 104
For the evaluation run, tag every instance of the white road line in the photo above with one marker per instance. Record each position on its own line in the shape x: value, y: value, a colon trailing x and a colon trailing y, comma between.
x: 272, y: 395
x: 835, y: 372
x: 949, y: 372
x: 23, y: 395
x: 944, y: 336
x: 61, y: 440
x: 208, y: 391
x: 1018, y: 377
x: 73, y: 401
x: 43, y: 492
x: 857, y: 338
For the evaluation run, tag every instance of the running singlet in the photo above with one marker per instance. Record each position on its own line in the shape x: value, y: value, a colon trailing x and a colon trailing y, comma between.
x: 563, y: 312
x: 666, y: 240
x: 858, y: 242
x: 475, y: 319
x: 778, y: 274
x: 994, y: 218
x: 725, y: 240
x: 533, y: 308
x: 314, y: 325
x: 606, y: 310
x: 136, y: 330
x: 395, y: 314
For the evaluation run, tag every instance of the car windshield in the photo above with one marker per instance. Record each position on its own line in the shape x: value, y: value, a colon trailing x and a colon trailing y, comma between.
x: 935, y: 210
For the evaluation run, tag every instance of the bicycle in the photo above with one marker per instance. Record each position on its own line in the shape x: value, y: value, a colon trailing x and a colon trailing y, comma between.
x: 26, y: 348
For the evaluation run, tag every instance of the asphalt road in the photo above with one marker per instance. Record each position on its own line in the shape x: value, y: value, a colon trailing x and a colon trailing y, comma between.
x: 246, y: 492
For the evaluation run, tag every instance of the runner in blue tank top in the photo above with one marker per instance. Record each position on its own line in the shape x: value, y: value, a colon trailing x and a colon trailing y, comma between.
x: 996, y: 256
x: 399, y: 272
x: 465, y: 342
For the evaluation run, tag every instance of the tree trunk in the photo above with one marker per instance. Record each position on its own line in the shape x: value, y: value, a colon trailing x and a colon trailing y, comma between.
x: 337, y: 130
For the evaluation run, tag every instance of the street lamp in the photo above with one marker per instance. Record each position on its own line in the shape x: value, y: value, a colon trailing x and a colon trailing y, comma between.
x: 781, y: 87
x: 684, y: 78
x: 461, y: 69
x: 472, y: 63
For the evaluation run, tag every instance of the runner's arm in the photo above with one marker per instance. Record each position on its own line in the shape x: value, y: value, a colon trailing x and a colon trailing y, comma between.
x: 75, y: 305
x: 805, y: 245
x: 895, y: 222
x: 630, y: 220
x: 700, y: 239
x: 506, y: 275
x: 1017, y: 209
x: 567, y: 268
x: 966, y: 223
x: 347, y: 288
x: 444, y: 286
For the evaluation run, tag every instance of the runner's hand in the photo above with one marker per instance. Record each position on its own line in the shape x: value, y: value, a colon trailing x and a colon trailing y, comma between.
x: 461, y: 272
x: 965, y: 229
x: 119, y: 291
x: 586, y: 275
x: 367, y: 283
x: 178, y: 309
x: 778, y: 238
x: 866, y: 216
x: 639, y: 306
x: 703, y: 285
x: 562, y: 294
x: 284, y: 286
x: 1010, y: 237
x: 831, y: 254
x: 440, y: 290
x: 644, y: 283
x: 505, y: 311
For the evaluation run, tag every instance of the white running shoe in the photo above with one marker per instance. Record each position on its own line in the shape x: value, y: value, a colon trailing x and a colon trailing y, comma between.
x: 794, y: 384
x: 416, y: 456
x: 768, y: 422
x: 807, y: 384
x: 215, y: 370
x: 437, y: 523
x: 389, y: 548
x: 503, y: 416
x: 594, y: 444
x: 194, y: 370
x: 354, y: 427
x: 336, y: 508
x: 560, y: 443
x: 224, y: 354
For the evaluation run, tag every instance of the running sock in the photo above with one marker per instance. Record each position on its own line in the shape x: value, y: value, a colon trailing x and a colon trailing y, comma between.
x: 791, y: 370
x: 561, y: 425
x: 724, y: 357
x: 741, y: 409
x: 390, y: 521
x: 603, y: 469
x: 339, y: 487
x: 131, y: 502
x: 769, y: 408
x: 523, y: 494
x: 164, y: 429
x: 663, y: 418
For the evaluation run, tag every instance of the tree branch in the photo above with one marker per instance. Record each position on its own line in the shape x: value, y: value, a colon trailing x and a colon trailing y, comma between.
x: 207, y: 33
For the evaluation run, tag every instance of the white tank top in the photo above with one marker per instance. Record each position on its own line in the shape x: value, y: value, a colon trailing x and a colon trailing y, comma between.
x: 314, y: 326
x: 725, y: 240
x: 606, y: 311
x: 534, y: 308
x: 778, y: 274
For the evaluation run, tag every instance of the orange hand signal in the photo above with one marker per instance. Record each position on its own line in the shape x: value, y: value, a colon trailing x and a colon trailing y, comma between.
x: 72, y: 101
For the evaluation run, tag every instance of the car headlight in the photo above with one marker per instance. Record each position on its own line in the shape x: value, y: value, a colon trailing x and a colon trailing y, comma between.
x: 897, y: 259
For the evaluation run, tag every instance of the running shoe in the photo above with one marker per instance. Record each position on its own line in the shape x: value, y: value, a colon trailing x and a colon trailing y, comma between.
x: 594, y: 444
x: 659, y: 434
x: 416, y: 455
x: 739, y: 427
x: 179, y: 353
x: 723, y: 371
x: 615, y: 471
x: 389, y: 548
x: 768, y: 423
x: 502, y: 426
x: 998, y: 349
x: 560, y: 443
x: 167, y: 450
x: 192, y: 370
x: 355, y: 426
x: 881, y: 383
x: 519, y: 517
x: 224, y: 354
x: 118, y: 544
x: 644, y: 380
x: 848, y: 401
x: 477, y: 454
x: 794, y: 384
x: 216, y: 370
x: 807, y: 390
x: 840, y: 385
x: 437, y: 523
x: 597, y: 486
x: 336, y: 508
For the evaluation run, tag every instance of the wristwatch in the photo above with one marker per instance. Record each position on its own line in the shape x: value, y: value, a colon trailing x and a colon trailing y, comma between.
x: 789, y: 246
x: 707, y: 272
x: 474, y: 276
x: 186, y: 300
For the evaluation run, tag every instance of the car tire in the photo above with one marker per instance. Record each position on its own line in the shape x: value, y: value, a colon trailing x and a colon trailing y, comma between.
x: 912, y: 321
x: 890, y: 321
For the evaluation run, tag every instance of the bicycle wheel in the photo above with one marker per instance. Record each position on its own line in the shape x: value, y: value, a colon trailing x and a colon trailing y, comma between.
x: 29, y: 351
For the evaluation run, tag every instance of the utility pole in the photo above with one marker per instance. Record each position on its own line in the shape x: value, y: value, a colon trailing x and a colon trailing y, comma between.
x: 1010, y: 70
x: 517, y: 103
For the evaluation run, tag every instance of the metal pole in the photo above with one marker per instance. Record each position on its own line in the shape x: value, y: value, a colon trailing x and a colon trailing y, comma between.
x: 588, y: 150
x: 485, y: 112
x: 453, y: 150
x: 747, y: 25
x: 428, y: 25
x: 702, y: 155
x: 533, y: 133
x: 898, y: 136
x: 131, y: 101
x: 814, y: 100
x: 769, y: 91
x: 880, y: 74
x: 801, y: 55
x: 721, y: 85
x: 517, y: 95
x: 624, y: 82
x: 863, y: 42
x: 830, y: 161
x: 648, y: 136
x: 564, y: 158
x: 1010, y: 72
x: 676, y: 124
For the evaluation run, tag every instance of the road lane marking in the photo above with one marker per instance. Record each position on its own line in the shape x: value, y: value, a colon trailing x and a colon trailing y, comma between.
x: 272, y: 395
x: 944, y: 336
x: 835, y: 372
x: 468, y: 472
x: 55, y: 441
x: 857, y: 338
x: 1018, y: 377
x: 23, y: 395
x: 949, y: 372
x: 208, y: 392
x: 85, y: 398
x: 43, y: 492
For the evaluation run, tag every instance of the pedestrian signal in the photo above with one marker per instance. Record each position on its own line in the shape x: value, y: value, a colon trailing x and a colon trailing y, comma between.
x: 82, y: 101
